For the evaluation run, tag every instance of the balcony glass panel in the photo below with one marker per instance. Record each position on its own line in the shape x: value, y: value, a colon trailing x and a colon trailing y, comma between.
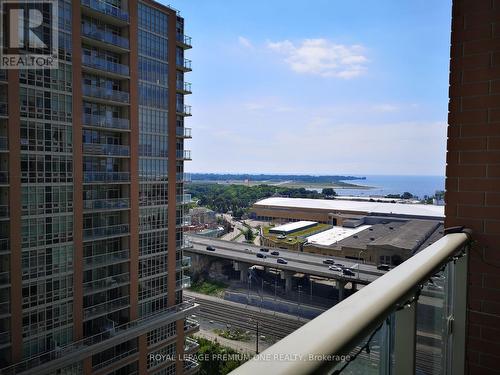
x: 112, y: 230
x: 105, y: 93
x: 106, y: 149
x: 103, y: 64
x: 101, y: 204
x: 106, y: 122
x: 104, y: 36
x: 106, y: 8
x: 106, y: 176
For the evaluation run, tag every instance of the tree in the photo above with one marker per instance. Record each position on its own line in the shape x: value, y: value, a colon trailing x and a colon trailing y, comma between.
x: 407, y: 195
x: 329, y: 192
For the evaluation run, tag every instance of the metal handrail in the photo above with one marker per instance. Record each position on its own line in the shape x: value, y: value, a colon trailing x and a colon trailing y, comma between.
x: 339, y: 329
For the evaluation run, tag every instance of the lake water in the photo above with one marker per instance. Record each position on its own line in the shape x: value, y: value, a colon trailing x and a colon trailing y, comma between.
x: 383, y: 185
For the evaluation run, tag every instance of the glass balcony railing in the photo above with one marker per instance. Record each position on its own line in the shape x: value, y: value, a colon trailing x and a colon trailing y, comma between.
x: 112, y: 230
x: 103, y: 308
x: 183, y: 199
x: 190, y: 366
x: 4, y: 338
x: 75, y: 348
x: 115, y: 359
x: 183, y: 132
x: 104, y: 259
x: 103, y: 64
x: 410, y: 320
x: 185, y: 65
x: 184, y: 39
x: 184, y: 86
x: 104, y: 204
x: 4, y: 144
x: 183, y: 263
x: 4, y: 278
x: 104, y: 36
x: 4, y: 177
x: 191, y: 325
x: 106, y: 176
x: 191, y: 345
x: 106, y: 149
x: 183, y: 177
x: 183, y: 283
x: 184, y: 154
x: 106, y: 8
x: 105, y: 93
x: 106, y: 122
x: 4, y: 210
x: 186, y: 243
x: 110, y: 282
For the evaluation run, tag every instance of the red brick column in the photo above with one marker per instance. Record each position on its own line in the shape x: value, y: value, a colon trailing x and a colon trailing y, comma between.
x: 473, y: 169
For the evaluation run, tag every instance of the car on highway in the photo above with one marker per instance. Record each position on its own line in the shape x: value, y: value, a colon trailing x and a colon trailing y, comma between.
x: 335, y: 268
x: 260, y: 255
x: 328, y: 261
x: 281, y: 261
x: 210, y: 248
x: 383, y: 267
x: 275, y: 253
x: 347, y: 272
x: 264, y: 250
x: 339, y: 265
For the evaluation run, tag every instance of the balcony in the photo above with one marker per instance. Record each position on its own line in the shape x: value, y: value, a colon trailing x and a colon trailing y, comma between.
x: 183, y: 177
x: 190, y: 345
x: 4, y: 308
x: 184, y: 263
x: 107, y: 231
x: 4, y: 177
x: 4, y: 244
x: 183, y: 87
x: 105, y: 37
x: 183, y: 283
x: 105, y: 283
x: 106, y: 259
x: 106, y: 204
x: 106, y: 149
x: 191, y: 367
x: 106, y: 122
x: 107, y: 9
x: 183, y: 155
x: 191, y: 326
x: 90, y: 177
x: 105, y: 308
x: 184, y: 65
x: 4, y: 111
x: 4, y: 144
x: 77, y: 350
x: 183, y: 110
x: 4, y: 338
x: 184, y: 41
x: 381, y: 319
x: 105, y: 65
x: 183, y: 221
x: 4, y: 279
x: 183, y: 199
x: 105, y: 93
x: 183, y: 132
x: 4, y: 211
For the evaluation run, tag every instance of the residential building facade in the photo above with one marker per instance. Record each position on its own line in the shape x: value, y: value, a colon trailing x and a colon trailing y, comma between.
x: 91, y: 182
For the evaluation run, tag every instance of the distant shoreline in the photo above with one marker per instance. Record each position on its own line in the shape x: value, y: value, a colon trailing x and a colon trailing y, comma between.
x: 290, y: 184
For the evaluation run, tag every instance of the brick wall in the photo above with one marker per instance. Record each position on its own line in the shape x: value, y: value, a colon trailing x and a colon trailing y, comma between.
x: 473, y: 169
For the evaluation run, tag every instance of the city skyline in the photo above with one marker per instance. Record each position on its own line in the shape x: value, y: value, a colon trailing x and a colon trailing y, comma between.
x: 351, y: 93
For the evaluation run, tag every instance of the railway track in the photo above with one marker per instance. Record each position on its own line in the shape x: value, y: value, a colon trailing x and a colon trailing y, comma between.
x: 278, y: 326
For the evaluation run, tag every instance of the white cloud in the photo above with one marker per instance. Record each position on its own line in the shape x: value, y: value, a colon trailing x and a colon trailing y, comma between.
x: 322, y: 57
x: 245, y: 42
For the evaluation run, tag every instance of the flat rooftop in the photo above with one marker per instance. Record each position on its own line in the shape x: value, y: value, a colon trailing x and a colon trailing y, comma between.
x: 292, y: 227
x: 332, y: 236
x: 373, y: 208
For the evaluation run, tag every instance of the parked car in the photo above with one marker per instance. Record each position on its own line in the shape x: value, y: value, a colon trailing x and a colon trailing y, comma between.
x: 347, y: 272
x: 275, y: 253
x: 260, y: 255
x: 383, y: 267
x: 264, y: 250
x: 281, y: 261
x: 328, y: 261
x: 210, y: 248
x: 335, y: 268
x: 339, y: 265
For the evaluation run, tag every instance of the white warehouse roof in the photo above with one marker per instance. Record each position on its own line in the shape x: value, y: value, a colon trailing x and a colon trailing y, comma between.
x: 425, y: 210
x: 291, y: 227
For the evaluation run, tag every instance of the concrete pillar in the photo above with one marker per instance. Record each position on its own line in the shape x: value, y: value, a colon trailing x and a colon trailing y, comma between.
x: 341, y: 289
x: 288, y: 281
x: 243, y: 267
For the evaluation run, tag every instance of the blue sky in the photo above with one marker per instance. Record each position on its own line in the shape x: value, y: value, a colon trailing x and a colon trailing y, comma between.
x: 318, y: 87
